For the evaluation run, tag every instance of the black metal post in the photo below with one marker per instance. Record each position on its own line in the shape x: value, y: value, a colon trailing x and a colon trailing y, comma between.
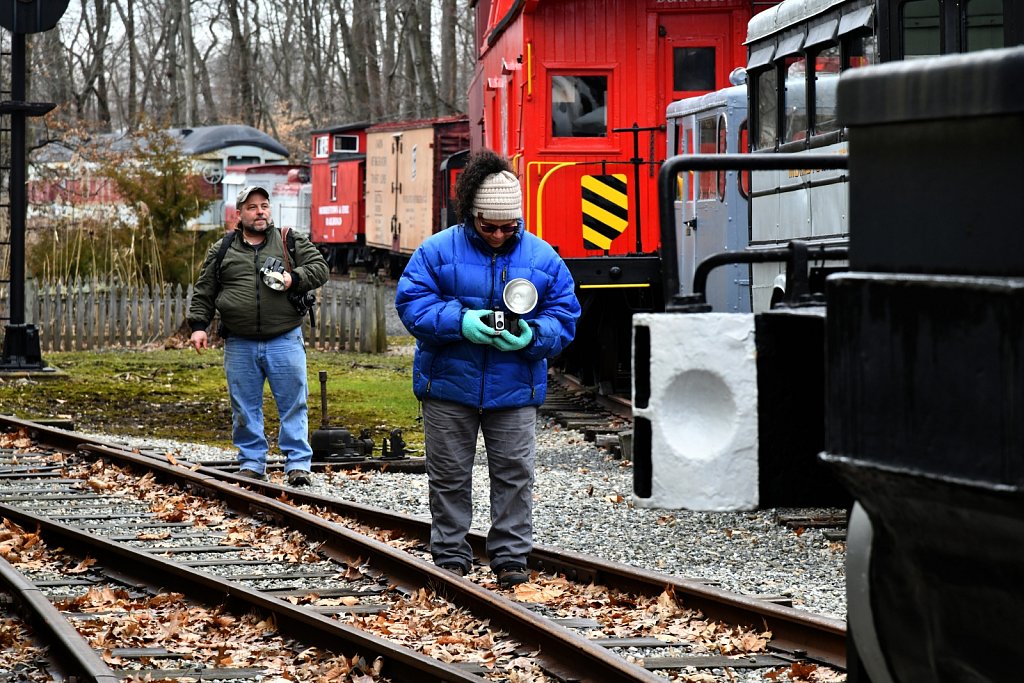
x: 637, y: 163
x: 21, y: 339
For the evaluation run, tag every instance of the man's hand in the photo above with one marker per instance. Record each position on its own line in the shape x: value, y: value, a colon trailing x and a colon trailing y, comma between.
x: 199, y: 340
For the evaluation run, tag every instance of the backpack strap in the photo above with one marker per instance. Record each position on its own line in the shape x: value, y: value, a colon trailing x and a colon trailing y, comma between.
x: 222, y: 249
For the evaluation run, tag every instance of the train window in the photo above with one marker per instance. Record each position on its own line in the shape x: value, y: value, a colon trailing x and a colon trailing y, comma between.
x: 334, y: 183
x: 794, y: 113
x: 744, y: 147
x: 983, y: 25
x: 826, y: 75
x: 861, y: 50
x: 320, y: 143
x: 767, y: 108
x: 723, y: 147
x: 579, y: 106
x: 707, y: 143
x: 346, y: 143
x: 919, y: 22
x: 693, y: 68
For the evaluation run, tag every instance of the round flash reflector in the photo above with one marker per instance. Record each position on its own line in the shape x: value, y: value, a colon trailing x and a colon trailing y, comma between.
x: 520, y: 296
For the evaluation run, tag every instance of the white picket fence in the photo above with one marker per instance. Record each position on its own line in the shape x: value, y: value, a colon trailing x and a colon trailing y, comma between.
x: 94, y: 315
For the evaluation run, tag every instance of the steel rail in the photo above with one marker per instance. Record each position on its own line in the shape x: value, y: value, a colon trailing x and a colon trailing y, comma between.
x: 71, y: 652
x: 803, y: 635
x: 562, y: 651
x: 302, y: 624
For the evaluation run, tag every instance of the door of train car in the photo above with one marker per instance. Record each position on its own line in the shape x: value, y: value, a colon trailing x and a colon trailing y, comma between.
x: 400, y: 189
x: 711, y: 212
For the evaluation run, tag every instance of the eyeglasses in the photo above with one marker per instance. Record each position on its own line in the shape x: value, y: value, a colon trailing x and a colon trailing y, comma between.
x: 491, y: 228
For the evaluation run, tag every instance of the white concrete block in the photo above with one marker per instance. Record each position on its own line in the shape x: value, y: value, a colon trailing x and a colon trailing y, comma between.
x: 702, y: 410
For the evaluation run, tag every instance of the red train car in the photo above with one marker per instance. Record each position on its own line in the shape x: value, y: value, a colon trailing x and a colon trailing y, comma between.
x: 575, y: 93
x: 338, y: 176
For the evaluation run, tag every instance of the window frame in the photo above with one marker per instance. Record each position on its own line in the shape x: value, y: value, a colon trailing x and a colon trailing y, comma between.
x: 562, y: 143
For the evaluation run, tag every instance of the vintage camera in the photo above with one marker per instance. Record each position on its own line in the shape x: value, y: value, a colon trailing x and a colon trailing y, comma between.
x: 303, y: 302
x: 519, y: 297
x: 272, y: 273
x: 500, y: 321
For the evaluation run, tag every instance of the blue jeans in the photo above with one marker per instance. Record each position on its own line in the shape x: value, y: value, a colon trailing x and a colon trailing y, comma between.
x: 450, y: 431
x: 249, y: 364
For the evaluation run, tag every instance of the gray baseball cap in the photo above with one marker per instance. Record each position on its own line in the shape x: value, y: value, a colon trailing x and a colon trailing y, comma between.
x: 244, y: 193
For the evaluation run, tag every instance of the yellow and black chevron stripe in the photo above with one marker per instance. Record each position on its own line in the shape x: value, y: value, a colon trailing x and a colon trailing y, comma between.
x: 605, y: 209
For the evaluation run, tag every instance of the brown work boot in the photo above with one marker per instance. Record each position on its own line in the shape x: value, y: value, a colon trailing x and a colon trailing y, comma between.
x: 512, y: 575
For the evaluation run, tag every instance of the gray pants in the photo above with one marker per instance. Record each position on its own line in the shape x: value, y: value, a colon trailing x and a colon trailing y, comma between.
x: 450, y: 431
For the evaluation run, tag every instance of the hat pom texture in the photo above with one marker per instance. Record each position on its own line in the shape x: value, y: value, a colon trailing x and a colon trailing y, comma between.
x: 499, y: 198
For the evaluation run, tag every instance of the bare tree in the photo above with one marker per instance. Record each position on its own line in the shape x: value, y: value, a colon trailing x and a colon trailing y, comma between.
x: 276, y: 64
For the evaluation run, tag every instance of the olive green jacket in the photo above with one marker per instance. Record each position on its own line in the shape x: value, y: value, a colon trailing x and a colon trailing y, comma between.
x: 247, y: 307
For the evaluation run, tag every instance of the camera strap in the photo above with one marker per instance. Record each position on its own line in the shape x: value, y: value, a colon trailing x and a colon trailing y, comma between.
x: 284, y: 248
x: 288, y: 268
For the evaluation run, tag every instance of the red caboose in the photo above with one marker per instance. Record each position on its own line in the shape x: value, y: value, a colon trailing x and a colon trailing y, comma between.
x: 338, y: 173
x: 575, y: 93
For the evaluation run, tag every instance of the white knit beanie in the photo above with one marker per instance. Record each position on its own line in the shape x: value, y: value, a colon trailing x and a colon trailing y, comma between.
x: 499, y: 198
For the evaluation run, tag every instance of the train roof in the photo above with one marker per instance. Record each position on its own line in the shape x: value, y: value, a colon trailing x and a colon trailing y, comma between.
x: 341, y: 128
x: 419, y: 123
x: 726, y: 97
x: 787, y: 13
x: 209, y: 138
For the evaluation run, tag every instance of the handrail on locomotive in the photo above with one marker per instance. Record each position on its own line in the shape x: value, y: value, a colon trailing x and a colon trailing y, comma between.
x: 798, y: 251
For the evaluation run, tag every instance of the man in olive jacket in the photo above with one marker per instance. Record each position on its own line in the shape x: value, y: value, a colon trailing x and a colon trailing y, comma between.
x: 262, y: 333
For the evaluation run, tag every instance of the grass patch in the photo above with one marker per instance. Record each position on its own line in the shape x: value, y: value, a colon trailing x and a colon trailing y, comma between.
x: 179, y: 394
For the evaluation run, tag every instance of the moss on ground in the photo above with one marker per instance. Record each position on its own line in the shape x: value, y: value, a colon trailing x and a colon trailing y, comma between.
x: 179, y: 394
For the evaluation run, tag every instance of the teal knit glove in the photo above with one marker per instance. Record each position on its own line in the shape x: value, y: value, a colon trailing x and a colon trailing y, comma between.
x: 475, y: 329
x: 507, y: 341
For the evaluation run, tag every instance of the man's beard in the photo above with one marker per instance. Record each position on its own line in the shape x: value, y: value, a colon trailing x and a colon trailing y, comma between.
x: 251, y: 229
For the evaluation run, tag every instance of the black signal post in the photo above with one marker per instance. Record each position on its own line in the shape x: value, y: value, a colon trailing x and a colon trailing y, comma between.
x: 637, y: 161
x: 20, y: 17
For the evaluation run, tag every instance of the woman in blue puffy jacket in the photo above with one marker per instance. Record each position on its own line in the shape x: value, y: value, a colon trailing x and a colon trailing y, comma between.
x: 474, y: 378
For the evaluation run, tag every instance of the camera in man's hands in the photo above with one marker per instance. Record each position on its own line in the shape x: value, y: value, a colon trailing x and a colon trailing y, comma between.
x: 272, y: 274
x: 302, y: 302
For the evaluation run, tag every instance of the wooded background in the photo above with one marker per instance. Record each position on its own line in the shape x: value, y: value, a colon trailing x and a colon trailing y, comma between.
x: 283, y: 66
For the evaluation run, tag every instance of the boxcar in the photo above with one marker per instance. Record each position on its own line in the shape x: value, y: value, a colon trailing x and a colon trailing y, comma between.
x: 403, y: 192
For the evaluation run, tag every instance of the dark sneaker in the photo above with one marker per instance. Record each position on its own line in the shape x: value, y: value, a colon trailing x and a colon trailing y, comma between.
x: 512, y: 575
x: 251, y: 474
x: 457, y: 569
x: 299, y: 478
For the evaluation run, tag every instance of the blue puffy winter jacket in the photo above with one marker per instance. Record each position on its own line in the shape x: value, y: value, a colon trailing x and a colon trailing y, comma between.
x: 455, y: 271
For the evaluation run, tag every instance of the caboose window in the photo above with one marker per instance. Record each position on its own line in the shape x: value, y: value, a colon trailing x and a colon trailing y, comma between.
x: 320, y: 148
x: 334, y: 183
x: 984, y: 25
x: 346, y: 143
x: 693, y: 68
x: 579, y: 106
x: 919, y: 21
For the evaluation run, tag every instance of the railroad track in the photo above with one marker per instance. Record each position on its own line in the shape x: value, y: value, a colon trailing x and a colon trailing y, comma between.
x: 243, y: 545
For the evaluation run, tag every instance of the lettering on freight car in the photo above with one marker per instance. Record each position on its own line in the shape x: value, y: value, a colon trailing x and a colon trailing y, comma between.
x: 331, y: 209
x: 333, y: 221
